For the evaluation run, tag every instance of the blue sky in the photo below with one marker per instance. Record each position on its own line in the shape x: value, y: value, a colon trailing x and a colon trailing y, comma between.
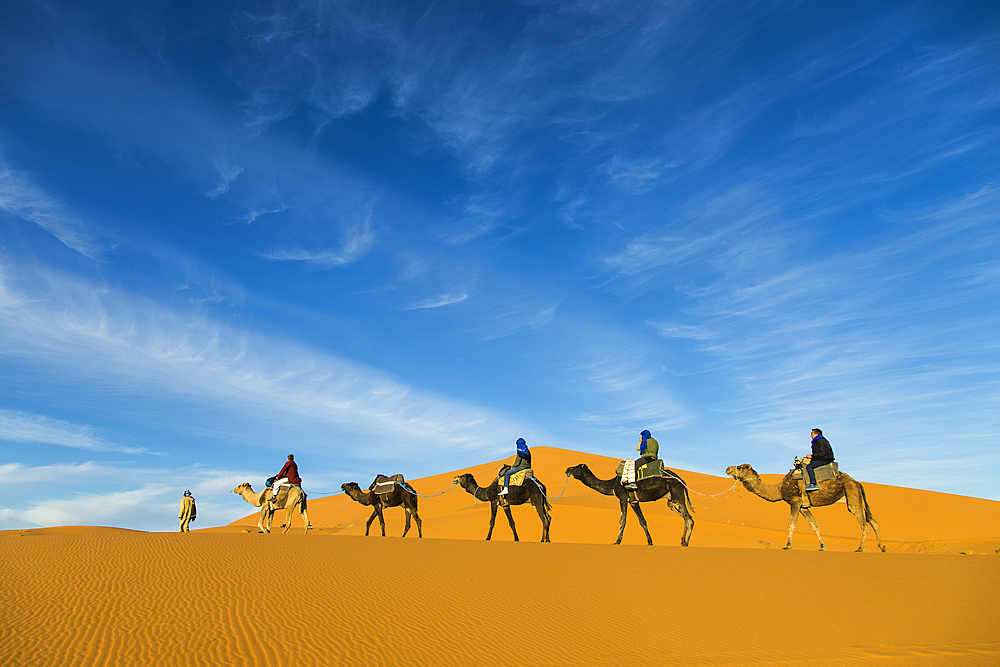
x: 394, y: 237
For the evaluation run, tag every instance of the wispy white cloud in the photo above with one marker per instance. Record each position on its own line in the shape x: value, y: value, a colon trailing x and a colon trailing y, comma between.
x: 359, y: 242
x: 20, y: 197
x: 479, y: 214
x: 23, y: 427
x: 104, y: 338
x: 510, y: 321
x: 886, y: 344
x: 228, y: 173
x: 438, y: 301
x: 250, y: 217
x: 673, y: 330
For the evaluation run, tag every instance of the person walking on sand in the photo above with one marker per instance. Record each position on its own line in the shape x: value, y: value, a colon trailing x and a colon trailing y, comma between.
x: 822, y: 454
x: 188, y: 511
x: 521, y: 462
x: 289, y: 474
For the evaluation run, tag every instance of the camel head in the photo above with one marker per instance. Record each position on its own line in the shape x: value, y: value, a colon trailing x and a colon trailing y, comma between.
x: 465, y: 480
x: 576, y: 470
x: 351, y: 488
x: 742, y: 473
x: 245, y: 486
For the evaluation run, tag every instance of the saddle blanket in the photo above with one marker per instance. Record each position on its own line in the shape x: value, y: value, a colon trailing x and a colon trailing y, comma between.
x: 626, y: 470
x: 282, y: 494
x: 651, y: 469
x: 385, y: 487
x: 823, y: 473
x: 517, y: 479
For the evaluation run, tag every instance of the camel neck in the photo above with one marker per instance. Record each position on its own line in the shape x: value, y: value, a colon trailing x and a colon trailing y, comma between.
x: 769, y: 492
x: 605, y: 486
x: 365, y: 498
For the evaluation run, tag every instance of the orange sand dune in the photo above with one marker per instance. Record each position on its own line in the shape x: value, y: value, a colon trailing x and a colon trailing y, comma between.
x: 911, y: 520
x: 78, y: 596
x: 130, y: 598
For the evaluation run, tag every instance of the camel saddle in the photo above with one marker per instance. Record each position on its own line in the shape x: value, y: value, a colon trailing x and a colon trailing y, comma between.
x: 823, y: 473
x: 282, y: 496
x: 383, y: 485
x: 517, y: 479
x: 629, y: 475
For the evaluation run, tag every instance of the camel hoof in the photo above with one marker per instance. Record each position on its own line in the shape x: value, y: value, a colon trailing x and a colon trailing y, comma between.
x: 787, y: 548
x: 822, y: 547
x: 882, y: 548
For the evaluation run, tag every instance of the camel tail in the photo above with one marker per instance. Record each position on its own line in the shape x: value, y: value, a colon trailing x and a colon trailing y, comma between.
x: 864, y: 501
x: 687, y: 496
x: 542, y: 490
x: 687, y: 501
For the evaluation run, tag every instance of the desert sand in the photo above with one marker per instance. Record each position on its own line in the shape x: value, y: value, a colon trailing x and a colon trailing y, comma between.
x: 230, y: 596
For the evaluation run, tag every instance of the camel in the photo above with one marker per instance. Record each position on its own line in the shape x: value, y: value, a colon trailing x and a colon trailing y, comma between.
x: 294, y: 498
x: 830, y: 491
x: 647, y: 490
x: 530, y: 491
x: 399, y: 497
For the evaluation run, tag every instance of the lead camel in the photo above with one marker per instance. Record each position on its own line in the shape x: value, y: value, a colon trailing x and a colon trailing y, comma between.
x: 294, y: 499
x: 647, y: 490
x: 830, y: 491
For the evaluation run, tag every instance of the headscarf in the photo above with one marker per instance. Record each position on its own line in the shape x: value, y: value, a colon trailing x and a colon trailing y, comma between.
x: 642, y: 445
x: 522, y: 447
x: 187, y: 493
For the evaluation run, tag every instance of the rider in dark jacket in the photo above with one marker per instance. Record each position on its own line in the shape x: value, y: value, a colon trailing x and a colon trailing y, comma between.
x: 822, y: 454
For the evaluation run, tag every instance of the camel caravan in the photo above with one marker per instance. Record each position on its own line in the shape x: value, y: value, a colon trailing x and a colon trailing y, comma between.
x: 814, y: 481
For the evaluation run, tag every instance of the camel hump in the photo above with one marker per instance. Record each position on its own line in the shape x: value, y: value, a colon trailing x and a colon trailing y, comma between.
x: 382, y: 480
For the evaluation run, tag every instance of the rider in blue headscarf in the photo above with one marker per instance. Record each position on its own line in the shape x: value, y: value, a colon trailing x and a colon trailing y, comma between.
x: 648, y: 448
x: 521, y: 462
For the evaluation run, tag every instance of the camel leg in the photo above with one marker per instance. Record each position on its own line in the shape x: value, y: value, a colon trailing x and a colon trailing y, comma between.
x: 621, y: 522
x: 260, y: 521
x: 510, y: 520
x: 874, y: 524
x: 546, y: 520
x: 304, y: 512
x: 682, y: 510
x: 793, y: 520
x: 857, y: 505
x: 410, y: 502
x: 381, y: 519
x: 493, y: 518
x: 406, y: 524
x: 642, y: 522
x: 368, y: 524
x: 807, y: 513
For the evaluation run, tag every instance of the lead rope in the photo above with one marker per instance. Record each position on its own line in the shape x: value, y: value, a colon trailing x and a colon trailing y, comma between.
x: 540, y: 488
x: 705, y: 495
x: 453, y: 485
